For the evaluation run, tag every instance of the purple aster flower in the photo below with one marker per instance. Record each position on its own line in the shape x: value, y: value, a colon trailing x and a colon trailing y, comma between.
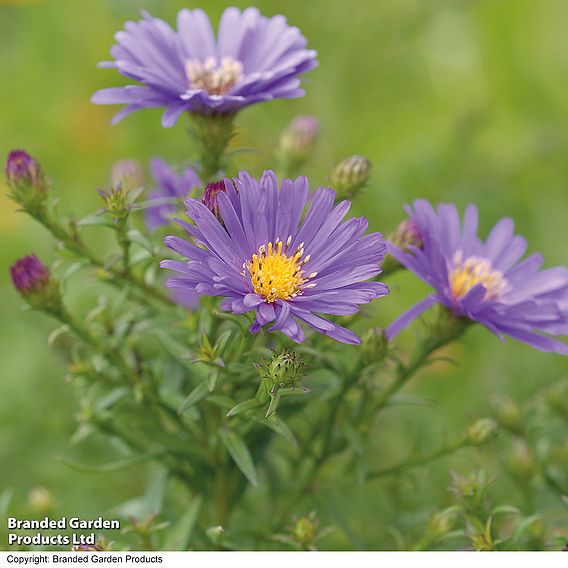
x: 264, y: 256
x: 253, y: 59
x: 170, y: 185
x: 484, y: 281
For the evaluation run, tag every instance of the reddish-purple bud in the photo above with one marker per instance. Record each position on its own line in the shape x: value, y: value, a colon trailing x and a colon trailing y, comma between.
x: 210, y: 195
x: 407, y: 233
x: 22, y: 171
x: 29, y: 275
x: 33, y: 281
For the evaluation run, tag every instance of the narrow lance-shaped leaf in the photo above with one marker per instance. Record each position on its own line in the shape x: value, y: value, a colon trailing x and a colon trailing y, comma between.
x: 240, y: 453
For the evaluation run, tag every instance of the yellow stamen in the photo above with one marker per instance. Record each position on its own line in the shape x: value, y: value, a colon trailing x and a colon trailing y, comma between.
x: 465, y: 274
x: 277, y: 276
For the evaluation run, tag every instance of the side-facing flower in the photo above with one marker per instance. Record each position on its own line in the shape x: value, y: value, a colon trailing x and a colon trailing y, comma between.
x: 171, y: 186
x: 484, y: 281
x: 264, y: 256
x: 253, y: 58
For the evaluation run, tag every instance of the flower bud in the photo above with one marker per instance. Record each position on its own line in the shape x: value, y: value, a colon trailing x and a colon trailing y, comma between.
x: 374, y: 345
x: 27, y: 181
x: 298, y: 141
x: 209, y: 199
x: 407, y: 233
x: 521, y: 462
x: 284, y: 370
x: 441, y: 523
x: 481, y: 431
x: 128, y: 174
x: 508, y: 413
x: 349, y: 176
x: 41, y: 500
x: 118, y: 202
x: 33, y: 281
x: 305, y: 530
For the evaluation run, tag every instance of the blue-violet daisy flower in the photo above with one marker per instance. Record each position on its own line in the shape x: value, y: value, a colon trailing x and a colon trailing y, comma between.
x: 253, y: 58
x: 263, y: 255
x: 171, y: 186
x: 484, y: 281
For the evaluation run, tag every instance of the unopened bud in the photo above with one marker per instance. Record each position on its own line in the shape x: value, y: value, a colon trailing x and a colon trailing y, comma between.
x: 441, y: 523
x: 481, y: 431
x: 298, y: 141
x: 128, y: 174
x: 508, y: 413
x: 41, y: 500
x: 27, y: 181
x: 406, y: 234
x: 210, y: 195
x: 32, y: 280
x: 305, y: 530
x: 521, y: 462
x: 350, y: 176
x: 375, y: 345
x: 118, y: 202
x: 284, y: 370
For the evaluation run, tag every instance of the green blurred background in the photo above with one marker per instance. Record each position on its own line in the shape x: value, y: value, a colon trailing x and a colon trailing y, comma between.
x: 455, y: 100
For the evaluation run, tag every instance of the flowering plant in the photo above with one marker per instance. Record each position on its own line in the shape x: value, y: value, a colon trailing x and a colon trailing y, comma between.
x: 246, y: 368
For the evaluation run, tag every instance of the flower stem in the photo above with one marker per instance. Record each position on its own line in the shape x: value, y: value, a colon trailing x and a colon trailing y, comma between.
x: 447, y: 329
x: 446, y: 450
x: 70, y: 239
x: 212, y: 134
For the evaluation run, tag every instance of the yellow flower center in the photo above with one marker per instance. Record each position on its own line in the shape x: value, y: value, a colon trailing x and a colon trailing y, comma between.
x: 474, y: 270
x: 213, y: 77
x: 277, y: 276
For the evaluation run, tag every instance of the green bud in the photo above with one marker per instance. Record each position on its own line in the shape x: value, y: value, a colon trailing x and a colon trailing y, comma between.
x: 508, y: 413
x: 119, y: 200
x: 556, y: 399
x: 350, y: 176
x: 521, y: 462
x: 305, y: 530
x: 441, y: 523
x: 283, y: 370
x: 481, y: 431
x: 40, y: 500
x: 374, y: 345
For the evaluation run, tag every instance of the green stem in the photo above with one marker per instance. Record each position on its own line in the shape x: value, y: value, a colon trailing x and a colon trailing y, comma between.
x: 73, y: 243
x: 447, y: 329
x: 212, y: 134
x: 421, y: 460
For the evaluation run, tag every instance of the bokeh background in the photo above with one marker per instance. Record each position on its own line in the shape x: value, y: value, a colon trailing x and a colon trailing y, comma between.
x: 457, y: 100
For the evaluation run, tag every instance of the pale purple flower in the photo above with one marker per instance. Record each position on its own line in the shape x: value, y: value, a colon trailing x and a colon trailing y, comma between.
x: 485, y: 282
x: 253, y: 59
x: 266, y: 256
x: 171, y: 186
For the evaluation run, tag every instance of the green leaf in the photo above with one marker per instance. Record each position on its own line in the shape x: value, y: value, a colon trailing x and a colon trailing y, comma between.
x: 180, y: 533
x: 240, y: 453
x: 250, y: 404
x: 278, y: 425
x: 197, y: 394
x: 113, y: 466
x: 154, y: 496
